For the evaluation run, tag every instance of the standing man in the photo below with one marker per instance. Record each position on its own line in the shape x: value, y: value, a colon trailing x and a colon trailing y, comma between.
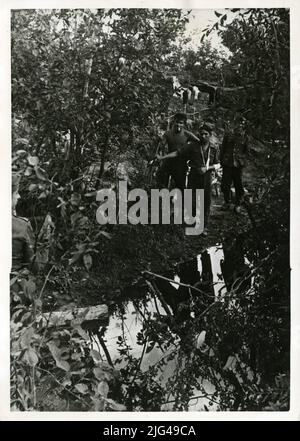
x: 233, y: 155
x: 203, y: 158
x: 175, y: 139
x: 22, y: 235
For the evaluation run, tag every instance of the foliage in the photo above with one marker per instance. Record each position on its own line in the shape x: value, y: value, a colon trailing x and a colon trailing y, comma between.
x: 259, y: 42
x: 54, y: 369
x: 206, y: 64
x: 78, y: 78
x: 109, y: 62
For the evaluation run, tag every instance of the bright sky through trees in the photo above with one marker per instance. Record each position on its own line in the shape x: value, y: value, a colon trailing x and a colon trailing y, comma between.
x: 201, y: 19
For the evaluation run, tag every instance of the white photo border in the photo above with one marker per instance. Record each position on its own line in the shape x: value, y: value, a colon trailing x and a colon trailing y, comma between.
x: 5, y: 249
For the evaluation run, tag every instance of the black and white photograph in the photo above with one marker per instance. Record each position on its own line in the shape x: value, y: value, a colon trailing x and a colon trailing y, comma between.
x: 150, y: 175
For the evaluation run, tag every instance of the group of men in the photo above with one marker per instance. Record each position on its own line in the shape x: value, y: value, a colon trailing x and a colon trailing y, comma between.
x: 196, y: 153
x: 186, y: 152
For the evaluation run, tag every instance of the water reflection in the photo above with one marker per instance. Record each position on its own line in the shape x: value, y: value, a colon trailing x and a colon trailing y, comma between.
x: 171, y: 301
x: 234, y: 265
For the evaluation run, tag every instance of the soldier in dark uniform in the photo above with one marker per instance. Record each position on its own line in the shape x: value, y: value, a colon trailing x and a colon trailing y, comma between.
x: 175, y: 139
x: 233, y: 155
x: 22, y: 235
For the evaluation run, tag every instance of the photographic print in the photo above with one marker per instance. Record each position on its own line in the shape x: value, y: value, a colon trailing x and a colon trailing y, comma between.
x: 150, y: 210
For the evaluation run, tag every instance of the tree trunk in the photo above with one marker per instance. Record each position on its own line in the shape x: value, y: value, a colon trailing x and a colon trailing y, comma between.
x: 103, y: 155
x: 75, y: 316
x: 88, y: 73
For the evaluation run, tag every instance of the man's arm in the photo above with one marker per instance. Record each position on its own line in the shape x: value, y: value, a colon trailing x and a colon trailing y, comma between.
x: 29, y: 256
x: 182, y: 152
x: 191, y: 136
x: 223, y: 148
x: 216, y: 161
x: 168, y: 156
x: 247, y: 146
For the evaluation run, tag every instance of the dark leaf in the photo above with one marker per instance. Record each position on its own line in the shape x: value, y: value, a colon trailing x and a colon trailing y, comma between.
x: 56, y: 353
x: 41, y: 174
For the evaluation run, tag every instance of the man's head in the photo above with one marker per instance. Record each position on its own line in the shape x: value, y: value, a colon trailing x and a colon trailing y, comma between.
x: 205, y: 132
x: 179, y: 121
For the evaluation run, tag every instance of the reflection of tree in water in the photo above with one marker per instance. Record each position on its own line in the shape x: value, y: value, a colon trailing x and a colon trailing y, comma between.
x: 155, y: 368
x: 233, y: 265
x: 192, y: 344
x: 181, y: 298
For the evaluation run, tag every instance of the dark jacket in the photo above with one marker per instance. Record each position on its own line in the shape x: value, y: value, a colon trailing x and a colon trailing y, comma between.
x: 234, y: 150
x: 22, y: 244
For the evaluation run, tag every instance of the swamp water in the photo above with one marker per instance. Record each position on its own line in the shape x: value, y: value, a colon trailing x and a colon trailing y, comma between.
x: 212, y: 272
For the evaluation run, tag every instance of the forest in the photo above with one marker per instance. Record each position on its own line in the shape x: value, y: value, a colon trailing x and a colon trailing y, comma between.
x: 93, y: 91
